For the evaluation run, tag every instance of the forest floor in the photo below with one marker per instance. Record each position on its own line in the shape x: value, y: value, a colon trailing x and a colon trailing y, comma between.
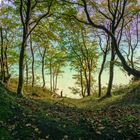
x: 35, y: 117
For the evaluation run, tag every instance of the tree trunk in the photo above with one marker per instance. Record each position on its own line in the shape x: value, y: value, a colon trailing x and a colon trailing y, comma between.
x: 100, y: 74
x: 81, y: 83
x: 43, y: 71
x: 27, y: 77
x: 33, y: 60
x: 126, y: 67
x: 53, y: 80
x: 56, y: 78
x: 111, y: 70
x: 25, y: 24
x: 132, y: 61
x: 2, y: 56
x: 51, y: 75
x: 89, y: 83
x: 21, y: 65
x: 6, y: 62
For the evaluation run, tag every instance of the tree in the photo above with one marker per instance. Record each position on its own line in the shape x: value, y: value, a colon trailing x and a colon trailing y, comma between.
x: 55, y: 60
x: 27, y: 11
x: 114, y: 13
x: 83, y: 59
x: 131, y: 34
x: 104, y: 52
x: 33, y: 61
x: 7, y: 29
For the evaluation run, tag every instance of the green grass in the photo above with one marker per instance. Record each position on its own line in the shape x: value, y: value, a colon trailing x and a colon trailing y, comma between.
x: 25, y: 118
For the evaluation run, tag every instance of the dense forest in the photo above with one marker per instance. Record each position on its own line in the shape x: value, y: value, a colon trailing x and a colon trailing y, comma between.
x: 41, y: 41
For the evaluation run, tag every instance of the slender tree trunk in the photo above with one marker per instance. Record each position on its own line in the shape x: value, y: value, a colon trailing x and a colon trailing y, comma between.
x: 21, y: 65
x: 126, y: 67
x: 43, y: 70
x: 111, y: 70
x: 100, y: 75
x: 43, y: 75
x: 33, y: 60
x: 89, y: 63
x: 27, y: 77
x: 132, y: 61
x: 53, y: 78
x: 56, y: 78
x: 85, y: 89
x: 81, y: 82
x: 2, y: 56
x: 6, y: 62
x: 25, y: 19
x: 89, y: 83
x: 51, y: 75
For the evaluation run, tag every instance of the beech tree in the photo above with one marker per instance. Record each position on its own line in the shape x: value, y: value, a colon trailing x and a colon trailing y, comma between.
x: 131, y: 38
x: 7, y: 31
x: 114, y: 12
x: 54, y: 62
x: 104, y: 52
x: 28, y: 9
x: 83, y: 59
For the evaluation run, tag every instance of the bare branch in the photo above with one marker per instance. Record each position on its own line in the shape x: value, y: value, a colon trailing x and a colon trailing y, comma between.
x: 109, y: 8
x: 103, y: 13
x: 21, y: 13
x: 41, y: 17
x: 122, y: 14
x: 92, y: 23
x: 34, y: 5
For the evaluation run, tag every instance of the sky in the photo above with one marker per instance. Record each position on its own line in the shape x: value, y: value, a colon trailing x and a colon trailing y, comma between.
x: 66, y: 80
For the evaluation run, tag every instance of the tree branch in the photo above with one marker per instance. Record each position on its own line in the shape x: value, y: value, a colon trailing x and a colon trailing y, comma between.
x: 21, y: 13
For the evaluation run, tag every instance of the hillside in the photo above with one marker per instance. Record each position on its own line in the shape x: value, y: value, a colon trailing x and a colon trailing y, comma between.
x: 116, y: 118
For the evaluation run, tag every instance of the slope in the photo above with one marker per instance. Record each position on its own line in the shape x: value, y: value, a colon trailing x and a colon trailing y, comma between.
x: 116, y: 118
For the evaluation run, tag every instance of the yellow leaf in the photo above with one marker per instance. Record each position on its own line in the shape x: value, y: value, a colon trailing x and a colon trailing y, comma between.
x: 28, y: 124
x: 36, y: 129
x: 98, y: 132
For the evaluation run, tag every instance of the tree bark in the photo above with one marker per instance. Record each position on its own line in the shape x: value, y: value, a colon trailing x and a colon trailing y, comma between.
x: 25, y: 24
x: 27, y: 77
x: 53, y: 80
x: 2, y: 56
x: 111, y: 71
x: 43, y: 70
x: 81, y: 83
x: 132, y: 61
x: 100, y: 74
x: 6, y: 62
x: 33, y: 60
x: 51, y: 75
x: 89, y: 83
x: 56, y: 79
x: 126, y: 67
x: 21, y: 64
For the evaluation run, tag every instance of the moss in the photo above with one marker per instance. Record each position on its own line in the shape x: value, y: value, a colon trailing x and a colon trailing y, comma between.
x: 25, y: 118
x: 5, y: 135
